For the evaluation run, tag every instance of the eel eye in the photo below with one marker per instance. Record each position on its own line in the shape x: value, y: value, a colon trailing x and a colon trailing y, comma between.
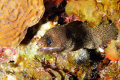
x: 49, y: 42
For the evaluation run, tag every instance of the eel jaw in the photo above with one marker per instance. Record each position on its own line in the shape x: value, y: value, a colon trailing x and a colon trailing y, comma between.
x: 44, y: 49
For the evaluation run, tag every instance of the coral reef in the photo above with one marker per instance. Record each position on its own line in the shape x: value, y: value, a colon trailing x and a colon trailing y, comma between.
x: 25, y: 63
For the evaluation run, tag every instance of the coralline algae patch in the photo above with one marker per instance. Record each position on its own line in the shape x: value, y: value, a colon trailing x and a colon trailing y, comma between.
x: 112, y: 71
x: 7, y: 54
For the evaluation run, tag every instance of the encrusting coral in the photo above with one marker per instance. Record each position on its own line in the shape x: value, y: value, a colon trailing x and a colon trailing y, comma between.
x: 94, y: 11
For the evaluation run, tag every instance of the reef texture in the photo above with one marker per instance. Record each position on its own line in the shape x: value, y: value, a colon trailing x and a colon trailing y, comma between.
x: 24, y: 63
x: 15, y: 18
x: 94, y: 11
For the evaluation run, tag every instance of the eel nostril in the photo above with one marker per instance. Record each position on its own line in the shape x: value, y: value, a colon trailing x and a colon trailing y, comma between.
x: 38, y: 44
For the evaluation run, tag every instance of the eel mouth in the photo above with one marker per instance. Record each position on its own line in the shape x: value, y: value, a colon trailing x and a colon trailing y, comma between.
x: 48, y: 48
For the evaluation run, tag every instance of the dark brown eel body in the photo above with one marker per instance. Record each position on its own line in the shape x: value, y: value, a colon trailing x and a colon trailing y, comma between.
x: 76, y: 35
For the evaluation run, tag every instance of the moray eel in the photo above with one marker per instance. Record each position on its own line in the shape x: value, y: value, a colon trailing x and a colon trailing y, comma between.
x: 76, y: 35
